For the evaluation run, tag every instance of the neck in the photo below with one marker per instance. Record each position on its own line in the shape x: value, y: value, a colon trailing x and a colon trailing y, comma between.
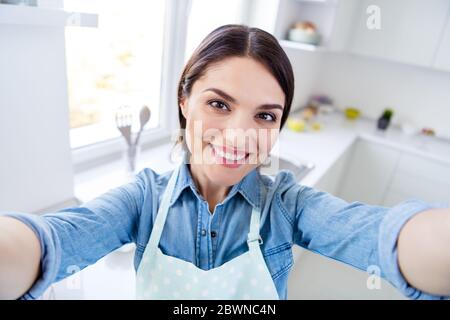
x: 211, y: 192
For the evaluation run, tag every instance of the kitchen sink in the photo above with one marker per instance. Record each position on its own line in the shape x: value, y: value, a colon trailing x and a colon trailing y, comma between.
x: 298, y: 167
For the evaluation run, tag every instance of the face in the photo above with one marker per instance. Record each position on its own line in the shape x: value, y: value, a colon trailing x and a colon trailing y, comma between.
x: 233, y: 117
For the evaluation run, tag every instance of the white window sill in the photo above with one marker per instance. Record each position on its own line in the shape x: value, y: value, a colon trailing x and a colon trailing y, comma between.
x: 95, y: 181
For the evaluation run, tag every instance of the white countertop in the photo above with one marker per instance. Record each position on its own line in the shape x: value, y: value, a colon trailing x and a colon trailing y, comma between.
x: 324, y: 147
x: 112, y: 277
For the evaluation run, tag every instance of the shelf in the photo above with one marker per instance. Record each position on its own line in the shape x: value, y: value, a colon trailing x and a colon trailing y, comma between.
x: 34, y: 16
x: 319, y: 2
x: 300, y: 46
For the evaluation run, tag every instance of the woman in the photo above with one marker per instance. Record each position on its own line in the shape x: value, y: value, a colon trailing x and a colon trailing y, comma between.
x: 215, y: 227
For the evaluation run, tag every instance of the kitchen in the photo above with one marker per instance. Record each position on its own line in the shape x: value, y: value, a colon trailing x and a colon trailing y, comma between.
x: 369, y: 119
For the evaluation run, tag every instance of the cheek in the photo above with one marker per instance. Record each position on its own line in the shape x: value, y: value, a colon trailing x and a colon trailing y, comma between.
x: 202, y: 124
x: 199, y: 126
x: 266, y: 140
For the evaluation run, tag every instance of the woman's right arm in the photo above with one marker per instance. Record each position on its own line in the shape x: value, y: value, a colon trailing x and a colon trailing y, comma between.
x: 37, y: 250
x: 20, y: 256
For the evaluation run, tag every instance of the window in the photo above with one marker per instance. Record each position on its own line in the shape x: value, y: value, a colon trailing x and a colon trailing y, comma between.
x: 133, y: 58
x: 117, y: 64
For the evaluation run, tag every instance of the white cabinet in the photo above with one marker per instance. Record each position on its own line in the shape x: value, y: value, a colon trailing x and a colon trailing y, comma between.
x: 442, y: 60
x: 381, y: 175
x: 361, y: 173
x: 321, y: 13
x: 331, y: 180
x: 36, y: 172
x: 417, y: 177
x: 368, y: 173
x: 415, y: 32
x: 410, y: 30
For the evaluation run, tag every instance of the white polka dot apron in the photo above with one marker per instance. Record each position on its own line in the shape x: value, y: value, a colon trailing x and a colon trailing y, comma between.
x: 160, y: 276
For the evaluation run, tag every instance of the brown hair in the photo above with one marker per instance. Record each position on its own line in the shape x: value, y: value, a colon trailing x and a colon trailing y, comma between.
x: 235, y: 40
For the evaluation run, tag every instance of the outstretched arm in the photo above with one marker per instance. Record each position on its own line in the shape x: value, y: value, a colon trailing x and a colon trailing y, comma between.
x: 20, y: 255
x: 424, y: 251
x: 37, y: 250
x: 409, y: 243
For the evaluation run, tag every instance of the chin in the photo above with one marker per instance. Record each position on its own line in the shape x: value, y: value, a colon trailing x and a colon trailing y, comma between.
x: 227, y: 177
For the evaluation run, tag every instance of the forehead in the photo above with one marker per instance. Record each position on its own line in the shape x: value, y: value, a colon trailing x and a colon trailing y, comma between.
x: 243, y: 78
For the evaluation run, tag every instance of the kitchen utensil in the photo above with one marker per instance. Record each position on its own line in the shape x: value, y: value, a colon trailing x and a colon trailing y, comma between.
x: 124, y: 122
x: 144, y: 116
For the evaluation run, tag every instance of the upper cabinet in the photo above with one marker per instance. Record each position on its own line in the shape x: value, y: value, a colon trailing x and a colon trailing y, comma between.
x: 407, y: 31
x: 322, y: 13
x: 415, y: 32
x: 442, y: 60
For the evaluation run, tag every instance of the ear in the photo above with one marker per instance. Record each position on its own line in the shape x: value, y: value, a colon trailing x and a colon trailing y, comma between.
x: 183, y: 106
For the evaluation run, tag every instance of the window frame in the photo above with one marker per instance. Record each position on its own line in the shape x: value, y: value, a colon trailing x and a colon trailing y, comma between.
x: 173, y: 53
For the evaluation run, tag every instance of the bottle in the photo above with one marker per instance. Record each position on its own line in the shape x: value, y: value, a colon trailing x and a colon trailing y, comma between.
x: 385, y: 119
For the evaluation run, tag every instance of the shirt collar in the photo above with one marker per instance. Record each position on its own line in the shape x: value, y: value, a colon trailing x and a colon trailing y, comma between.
x: 248, y: 187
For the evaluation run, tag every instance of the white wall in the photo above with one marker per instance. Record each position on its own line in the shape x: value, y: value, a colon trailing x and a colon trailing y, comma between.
x: 306, y: 67
x: 35, y: 159
x: 418, y: 95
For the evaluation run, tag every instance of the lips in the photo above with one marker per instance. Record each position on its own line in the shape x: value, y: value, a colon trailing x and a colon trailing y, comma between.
x: 229, y: 153
x: 231, y: 158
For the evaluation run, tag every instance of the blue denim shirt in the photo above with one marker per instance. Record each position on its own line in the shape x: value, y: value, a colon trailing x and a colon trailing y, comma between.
x: 355, y: 233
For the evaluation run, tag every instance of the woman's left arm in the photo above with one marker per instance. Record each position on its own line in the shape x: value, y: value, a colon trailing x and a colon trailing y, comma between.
x: 407, y: 244
x: 424, y: 251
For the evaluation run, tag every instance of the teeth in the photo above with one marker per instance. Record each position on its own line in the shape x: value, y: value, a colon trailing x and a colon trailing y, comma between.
x: 227, y: 155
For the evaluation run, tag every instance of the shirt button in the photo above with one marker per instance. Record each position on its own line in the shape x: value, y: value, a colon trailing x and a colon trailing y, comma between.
x: 213, y: 234
x: 203, y: 232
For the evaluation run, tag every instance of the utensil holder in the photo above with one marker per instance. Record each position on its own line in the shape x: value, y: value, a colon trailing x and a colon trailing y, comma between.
x: 130, y: 158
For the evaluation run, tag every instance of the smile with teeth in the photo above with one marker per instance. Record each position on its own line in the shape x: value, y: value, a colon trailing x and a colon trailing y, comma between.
x: 234, y: 156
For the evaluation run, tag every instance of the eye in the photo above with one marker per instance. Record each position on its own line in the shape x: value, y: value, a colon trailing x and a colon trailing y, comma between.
x: 217, y: 104
x: 267, y: 117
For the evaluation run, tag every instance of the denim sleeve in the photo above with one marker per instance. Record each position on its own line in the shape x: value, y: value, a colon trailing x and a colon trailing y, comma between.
x: 73, y: 238
x: 357, y: 234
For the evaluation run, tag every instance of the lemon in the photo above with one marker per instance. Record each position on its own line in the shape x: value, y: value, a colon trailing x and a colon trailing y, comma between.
x: 296, y: 124
x: 351, y: 113
x: 316, y: 126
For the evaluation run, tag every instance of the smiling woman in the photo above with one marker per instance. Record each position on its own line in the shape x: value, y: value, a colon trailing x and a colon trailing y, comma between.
x: 215, y: 227
x: 238, y: 85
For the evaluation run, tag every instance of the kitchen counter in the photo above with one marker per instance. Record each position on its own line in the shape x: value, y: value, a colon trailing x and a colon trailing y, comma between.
x: 338, y: 134
x: 323, y: 148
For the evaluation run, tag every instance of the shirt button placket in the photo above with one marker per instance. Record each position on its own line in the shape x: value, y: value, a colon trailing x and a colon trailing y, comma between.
x: 214, y: 231
x: 204, y: 240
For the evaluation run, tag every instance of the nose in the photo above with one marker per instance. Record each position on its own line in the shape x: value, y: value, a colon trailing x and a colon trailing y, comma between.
x: 239, y: 131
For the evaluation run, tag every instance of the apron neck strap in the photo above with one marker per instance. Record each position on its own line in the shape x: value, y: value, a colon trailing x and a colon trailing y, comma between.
x: 163, y: 209
x: 254, y: 238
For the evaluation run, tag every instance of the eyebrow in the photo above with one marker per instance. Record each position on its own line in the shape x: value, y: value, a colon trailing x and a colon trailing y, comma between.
x: 226, y: 96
